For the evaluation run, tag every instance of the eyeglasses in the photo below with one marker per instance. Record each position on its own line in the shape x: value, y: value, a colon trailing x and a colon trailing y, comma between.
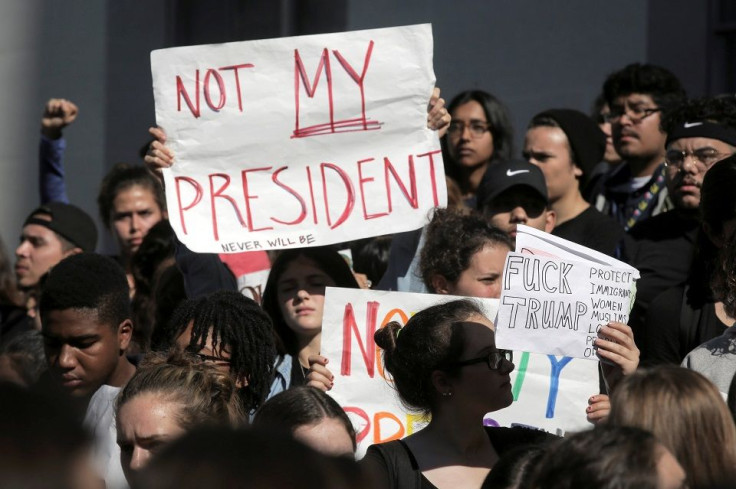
x: 477, y: 129
x: 217, y: 361
x: 635, y: 114
x: 704, y: 158
x: 493, y: 359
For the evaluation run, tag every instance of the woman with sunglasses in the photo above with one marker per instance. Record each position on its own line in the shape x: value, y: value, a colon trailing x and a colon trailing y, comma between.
x: 445, y: 363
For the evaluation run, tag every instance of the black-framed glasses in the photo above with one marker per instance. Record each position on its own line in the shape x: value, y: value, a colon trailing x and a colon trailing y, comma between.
x: 218, y: 361
x: 477, y: 129
x: 704, y: 158
x: 636, y: 114
x: 494, y: 360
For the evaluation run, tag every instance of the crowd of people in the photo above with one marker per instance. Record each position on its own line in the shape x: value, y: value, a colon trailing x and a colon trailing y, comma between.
x: 150, y: 368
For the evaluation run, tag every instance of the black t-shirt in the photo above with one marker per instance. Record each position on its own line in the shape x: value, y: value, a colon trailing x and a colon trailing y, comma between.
x: 662, y: 248
x: 393, y: 466
x: 676, y: 324
x: 592, y: 229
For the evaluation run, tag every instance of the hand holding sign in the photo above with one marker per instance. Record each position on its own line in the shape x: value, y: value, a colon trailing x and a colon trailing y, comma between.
x: 159, y: 156
x: 620, y: 356
x: 301, y: 141
x: 319, y: 376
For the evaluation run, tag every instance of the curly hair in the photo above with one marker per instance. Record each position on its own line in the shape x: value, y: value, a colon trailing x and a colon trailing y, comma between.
x: 451, y: 241
x: 238, y: 325
x: 204, y: 394
x: 719, y: 110
x: 655, y: 81
x: 428, y: 341
x: 88, y: 281
x: 121, y: 177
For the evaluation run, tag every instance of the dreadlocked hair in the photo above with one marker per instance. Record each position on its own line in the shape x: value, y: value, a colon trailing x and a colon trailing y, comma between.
x: 238, y: 326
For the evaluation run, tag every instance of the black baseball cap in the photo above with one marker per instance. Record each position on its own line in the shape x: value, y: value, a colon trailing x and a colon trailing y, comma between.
x: 68, y: 221
x: 503, y: 175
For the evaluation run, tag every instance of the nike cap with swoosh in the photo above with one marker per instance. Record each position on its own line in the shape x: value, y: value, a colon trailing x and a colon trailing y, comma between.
x: 503, y: 175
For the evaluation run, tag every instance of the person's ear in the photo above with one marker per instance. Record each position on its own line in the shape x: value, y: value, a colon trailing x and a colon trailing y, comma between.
x: 440, y: 284
x: 71, y: 251
x: 577, y: 171
x: 125, y: 334
x: 441, y: 383
x: 165, y: 214
x: 550, y: 219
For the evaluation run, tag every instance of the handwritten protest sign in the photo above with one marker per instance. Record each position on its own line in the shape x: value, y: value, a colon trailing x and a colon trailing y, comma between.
x: 299, y: 141
x: 549, y: 393
x: 555, y: 305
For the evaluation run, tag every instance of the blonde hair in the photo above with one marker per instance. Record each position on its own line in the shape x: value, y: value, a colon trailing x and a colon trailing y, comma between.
x: 685, y: 411
x: 205, y: 394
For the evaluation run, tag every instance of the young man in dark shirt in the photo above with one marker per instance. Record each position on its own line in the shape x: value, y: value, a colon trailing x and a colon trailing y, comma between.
x: 637, y: 95
x: 566, y: 144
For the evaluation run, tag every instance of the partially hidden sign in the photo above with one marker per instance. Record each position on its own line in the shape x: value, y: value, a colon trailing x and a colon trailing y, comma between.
x: 300, y: 141
x: 549, y: 392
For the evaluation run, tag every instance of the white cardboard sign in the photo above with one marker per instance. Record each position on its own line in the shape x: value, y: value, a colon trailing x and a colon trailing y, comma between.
x: 556, y: 296
x: 299, y: 141
x: 549, y: 393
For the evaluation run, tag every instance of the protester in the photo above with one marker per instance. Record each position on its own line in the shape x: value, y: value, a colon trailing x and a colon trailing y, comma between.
x: 716, y: 358
x: 637, y: 94
x: 663, y: 247
x: 515, y: 192
x: 42, y: 443
x: 22, y: 359
x: 85, y: 313
x: 227, y: 459
x: 370, y: 257
x: 13, y: 314
x: 58, y: 113
x: 687, y: 414
x: 479, y: 135
x: 294, y: 297
x: 232, y: 332
x: 609, y: 457
x: 681, y: 318
x: 445, y: 363
x: 463, y: 255
x: 611, y: 159
x: 153, y: 258
x: 50, y: 233
x: 167, y: 397
x: 565, y: 144
x: 131, y: 202
x: 310, y: 416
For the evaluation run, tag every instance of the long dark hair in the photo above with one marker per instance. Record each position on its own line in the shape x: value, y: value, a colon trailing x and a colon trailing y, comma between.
x: 499, y: 122
x: 327, y: 260
x: 301, y: 406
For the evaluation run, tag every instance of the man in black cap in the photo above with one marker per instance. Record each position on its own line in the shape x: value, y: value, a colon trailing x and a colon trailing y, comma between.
x: 566, y: 144
x: 51, y: 232
x: 512, y: 193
